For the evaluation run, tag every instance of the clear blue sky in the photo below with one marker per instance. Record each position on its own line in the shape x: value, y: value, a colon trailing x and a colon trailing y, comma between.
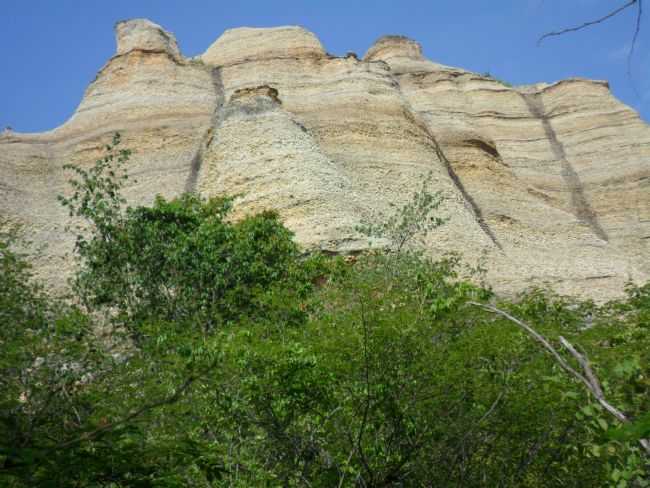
x: 52, y: 49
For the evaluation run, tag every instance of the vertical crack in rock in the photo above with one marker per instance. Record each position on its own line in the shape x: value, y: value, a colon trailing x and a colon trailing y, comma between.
x: 579, y: 203
x: 469, y: 201
x: 206, y: 139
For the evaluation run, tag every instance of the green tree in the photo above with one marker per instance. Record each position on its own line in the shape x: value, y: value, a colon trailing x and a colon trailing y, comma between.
x: 181, y: 260
x: 47, y: 355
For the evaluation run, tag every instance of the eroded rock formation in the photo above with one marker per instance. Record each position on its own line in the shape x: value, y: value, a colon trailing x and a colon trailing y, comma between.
x: 550, y: 182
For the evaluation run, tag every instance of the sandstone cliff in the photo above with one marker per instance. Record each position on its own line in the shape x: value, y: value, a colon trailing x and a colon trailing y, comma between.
x: 551, y: 182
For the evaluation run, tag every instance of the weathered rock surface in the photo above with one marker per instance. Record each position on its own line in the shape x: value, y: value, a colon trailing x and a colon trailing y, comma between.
x: 550, y: 182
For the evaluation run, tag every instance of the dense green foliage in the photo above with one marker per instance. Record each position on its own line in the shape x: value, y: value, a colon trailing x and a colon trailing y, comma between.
x: 49, y: 358
x: 178, y: 260
x: 207, y: 352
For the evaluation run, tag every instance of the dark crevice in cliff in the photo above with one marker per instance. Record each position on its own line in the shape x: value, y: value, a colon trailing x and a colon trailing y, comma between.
x: 485, y: 147
x: 197, y: 162
x: 470, y: 203
x: 580, y: 206
x: 469, y: 200
x: 206, y: 139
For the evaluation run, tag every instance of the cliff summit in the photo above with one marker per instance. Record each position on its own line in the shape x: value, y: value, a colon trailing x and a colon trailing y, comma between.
x: 551, y: 182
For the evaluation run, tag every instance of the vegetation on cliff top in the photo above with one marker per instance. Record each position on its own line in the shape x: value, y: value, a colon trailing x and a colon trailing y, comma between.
x: 198, y: 351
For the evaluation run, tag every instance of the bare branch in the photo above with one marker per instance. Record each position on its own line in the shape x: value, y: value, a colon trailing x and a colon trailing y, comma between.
x: 637, y: 29
x: 597, y: 390
x: 594, y: 384
x: 539, y: 338
x: 366, y: 409
x: 145, y: 408
x: 492, y: 408
x: 592, y: 22
x: 170, y: 399
x: 470, y: 430
x: 589, y: 379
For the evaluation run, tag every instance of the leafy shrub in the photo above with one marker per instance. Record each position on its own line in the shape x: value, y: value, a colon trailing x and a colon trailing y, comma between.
x: 181, y: 260
x: 253, y: 365
x: 47, y: 354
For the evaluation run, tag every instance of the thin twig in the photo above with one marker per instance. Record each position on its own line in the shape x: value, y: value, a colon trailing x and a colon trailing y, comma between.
x: 145, y: 408
x: 347, y: 463
x: 173, y: 398
x: 476, y: 424
x: 594, y: 384
x: 492, y: 408
x: 590, y: 23
x: 366, y: 409
x: 637, y: 29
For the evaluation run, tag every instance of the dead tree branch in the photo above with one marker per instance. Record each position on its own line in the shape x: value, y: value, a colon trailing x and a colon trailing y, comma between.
x: 137, y: 413
x: 637, y: 29
x: 168, y: 400
x: 592, y: 22
x: 613, y: 13
x: 589, y: 378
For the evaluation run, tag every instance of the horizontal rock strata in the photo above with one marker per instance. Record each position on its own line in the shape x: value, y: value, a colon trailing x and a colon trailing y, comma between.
x: 550, y: 183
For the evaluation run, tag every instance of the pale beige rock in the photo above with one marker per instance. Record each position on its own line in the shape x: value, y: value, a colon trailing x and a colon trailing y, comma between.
x: 162, y: 105
x: 551, y: 182
x: 279, y: 166
x: 550, y: 167
x: 144, y: 35
x: 249, y: 44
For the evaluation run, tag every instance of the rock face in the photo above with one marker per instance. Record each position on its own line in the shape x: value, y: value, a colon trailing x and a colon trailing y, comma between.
x: 551, y: 183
